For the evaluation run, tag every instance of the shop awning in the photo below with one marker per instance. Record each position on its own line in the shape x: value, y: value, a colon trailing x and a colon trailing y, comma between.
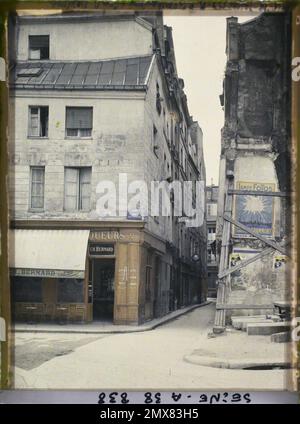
x: 48, y: 253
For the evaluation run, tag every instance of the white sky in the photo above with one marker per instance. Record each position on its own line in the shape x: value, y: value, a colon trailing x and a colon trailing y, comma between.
x: 199, y: 43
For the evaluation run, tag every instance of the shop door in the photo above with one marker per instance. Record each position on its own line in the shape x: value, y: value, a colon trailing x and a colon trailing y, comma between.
x: 103, y: 288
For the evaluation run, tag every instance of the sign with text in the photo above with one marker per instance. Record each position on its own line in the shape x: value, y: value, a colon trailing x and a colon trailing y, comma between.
x: 99, y: 249
x: 46, y: 273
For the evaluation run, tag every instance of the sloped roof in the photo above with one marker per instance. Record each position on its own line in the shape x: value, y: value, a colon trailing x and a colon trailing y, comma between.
x: 117, y: 74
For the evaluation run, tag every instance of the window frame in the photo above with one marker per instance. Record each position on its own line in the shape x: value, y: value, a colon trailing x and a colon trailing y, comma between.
x: 31, y: 169
x: 79, y: 136
x: 30, y: 49
x: 79, y: 183
x: 29, y: 135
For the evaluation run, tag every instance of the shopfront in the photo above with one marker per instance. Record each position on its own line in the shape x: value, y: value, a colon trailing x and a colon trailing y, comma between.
x: 48, y: 273
x: 117, y: 274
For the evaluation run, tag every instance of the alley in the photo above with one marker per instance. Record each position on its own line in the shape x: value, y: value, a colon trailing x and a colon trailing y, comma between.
x: 153, y: 359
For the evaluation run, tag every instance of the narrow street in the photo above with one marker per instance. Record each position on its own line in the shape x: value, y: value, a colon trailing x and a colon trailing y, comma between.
x: 133, y: 361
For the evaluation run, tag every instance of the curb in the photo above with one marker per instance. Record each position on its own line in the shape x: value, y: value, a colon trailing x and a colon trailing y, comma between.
x: 207, y: 361
x: 149, y: 327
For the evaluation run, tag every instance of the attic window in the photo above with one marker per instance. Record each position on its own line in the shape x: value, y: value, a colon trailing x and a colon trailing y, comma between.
x: 38, y: 47
x: 30, y: 72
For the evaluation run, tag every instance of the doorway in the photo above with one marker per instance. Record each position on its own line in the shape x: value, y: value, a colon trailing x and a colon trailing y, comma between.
x: 103, y: 282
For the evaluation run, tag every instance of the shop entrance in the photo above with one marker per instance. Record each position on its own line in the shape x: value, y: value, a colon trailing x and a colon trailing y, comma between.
x: 103, y: 279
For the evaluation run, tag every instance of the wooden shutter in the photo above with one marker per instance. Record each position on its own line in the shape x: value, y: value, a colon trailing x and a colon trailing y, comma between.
x: 79, y: 118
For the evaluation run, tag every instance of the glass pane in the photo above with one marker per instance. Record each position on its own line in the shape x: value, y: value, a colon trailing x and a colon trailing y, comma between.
x: 72, y: 132
x: 37, y: 175
x: 37, y: 202
x: 71, y: 188
x: 85, y: 132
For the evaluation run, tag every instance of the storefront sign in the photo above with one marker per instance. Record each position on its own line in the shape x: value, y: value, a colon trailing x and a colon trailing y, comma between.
x: 99, y: 249
x: 113, y: 236
x: 47, y: 273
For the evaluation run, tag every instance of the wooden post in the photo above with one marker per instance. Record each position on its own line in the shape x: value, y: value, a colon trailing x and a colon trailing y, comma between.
x: 220, y: 317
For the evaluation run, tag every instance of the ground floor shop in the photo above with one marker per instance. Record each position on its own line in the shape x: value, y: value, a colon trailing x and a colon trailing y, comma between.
x: 122, y: 274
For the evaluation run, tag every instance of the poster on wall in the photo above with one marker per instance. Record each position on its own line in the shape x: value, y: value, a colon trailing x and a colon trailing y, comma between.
x: 256, y: 212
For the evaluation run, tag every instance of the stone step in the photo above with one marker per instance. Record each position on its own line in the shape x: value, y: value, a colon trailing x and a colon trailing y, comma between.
x: 283, y: 337
x: 241, y: 322
x: 266, y: 329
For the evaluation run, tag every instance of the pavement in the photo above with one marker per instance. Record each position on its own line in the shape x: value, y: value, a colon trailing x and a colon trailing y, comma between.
x: 150, y: 360
x: 102, y: 327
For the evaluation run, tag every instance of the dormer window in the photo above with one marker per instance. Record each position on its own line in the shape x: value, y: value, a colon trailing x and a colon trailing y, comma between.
x: 38, y: 47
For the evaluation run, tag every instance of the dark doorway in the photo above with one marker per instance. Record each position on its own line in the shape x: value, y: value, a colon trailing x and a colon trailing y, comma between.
x: 103, y: 288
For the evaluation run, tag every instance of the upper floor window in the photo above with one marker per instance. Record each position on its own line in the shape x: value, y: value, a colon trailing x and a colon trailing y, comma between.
x: 79, y: 121
x: 38, y: 47
x: 38, y: 121
x: 37, y: 183
x: 77, y: 188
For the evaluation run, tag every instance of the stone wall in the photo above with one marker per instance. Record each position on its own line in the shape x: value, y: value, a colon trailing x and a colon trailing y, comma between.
x: 255, y: 151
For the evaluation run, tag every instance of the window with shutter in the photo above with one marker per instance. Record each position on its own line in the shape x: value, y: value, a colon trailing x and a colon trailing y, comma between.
x: 37, y: 187
x: 79, y: 121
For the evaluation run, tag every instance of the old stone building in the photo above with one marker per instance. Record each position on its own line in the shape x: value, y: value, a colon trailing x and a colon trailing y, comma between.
x: 108, y: 104
x: 254, y: 158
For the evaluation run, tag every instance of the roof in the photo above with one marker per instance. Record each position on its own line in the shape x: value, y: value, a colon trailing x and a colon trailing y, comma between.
x: 116, y: 74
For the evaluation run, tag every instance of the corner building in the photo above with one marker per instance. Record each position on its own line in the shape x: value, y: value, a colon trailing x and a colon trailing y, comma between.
x: 94, y: 96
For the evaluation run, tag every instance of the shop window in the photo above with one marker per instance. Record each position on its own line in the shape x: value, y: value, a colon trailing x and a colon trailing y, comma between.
x: 37, y: 186
x: 26, y: 289
x: 70, y: 290
x: 79, y: 122
x: 77, y: 188
x: 38, y: 47
x: 38, y: 121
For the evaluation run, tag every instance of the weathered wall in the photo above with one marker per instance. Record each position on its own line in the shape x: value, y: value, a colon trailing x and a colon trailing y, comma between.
x: 101, y: 40
x: 255, y: 149
x: 116, y: 146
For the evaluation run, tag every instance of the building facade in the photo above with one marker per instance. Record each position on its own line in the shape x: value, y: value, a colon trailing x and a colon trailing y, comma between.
x: 88, y: 113
x: 211, y: 220
x: 255, y: 157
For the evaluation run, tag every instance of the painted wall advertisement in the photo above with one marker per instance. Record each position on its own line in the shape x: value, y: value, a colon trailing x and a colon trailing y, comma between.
x: 256, y: 212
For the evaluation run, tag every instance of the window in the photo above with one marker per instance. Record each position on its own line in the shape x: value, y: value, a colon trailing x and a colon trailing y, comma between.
x: 158, y: 99
x: 155, y: 141
x: 37, y: 182
x: 38, y: 47
x: 77, y: 188
x: 79, y: 121
x: 38, y: 121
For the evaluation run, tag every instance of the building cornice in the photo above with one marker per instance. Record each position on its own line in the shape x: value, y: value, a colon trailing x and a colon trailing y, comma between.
x: 79, y: 224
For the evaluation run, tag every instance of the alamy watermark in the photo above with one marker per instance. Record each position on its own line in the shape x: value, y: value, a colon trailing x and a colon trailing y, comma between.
x: 139, y: 199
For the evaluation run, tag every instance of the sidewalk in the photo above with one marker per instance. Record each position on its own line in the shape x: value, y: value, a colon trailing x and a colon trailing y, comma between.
x: 236, y: 350
x: 102, y: 327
